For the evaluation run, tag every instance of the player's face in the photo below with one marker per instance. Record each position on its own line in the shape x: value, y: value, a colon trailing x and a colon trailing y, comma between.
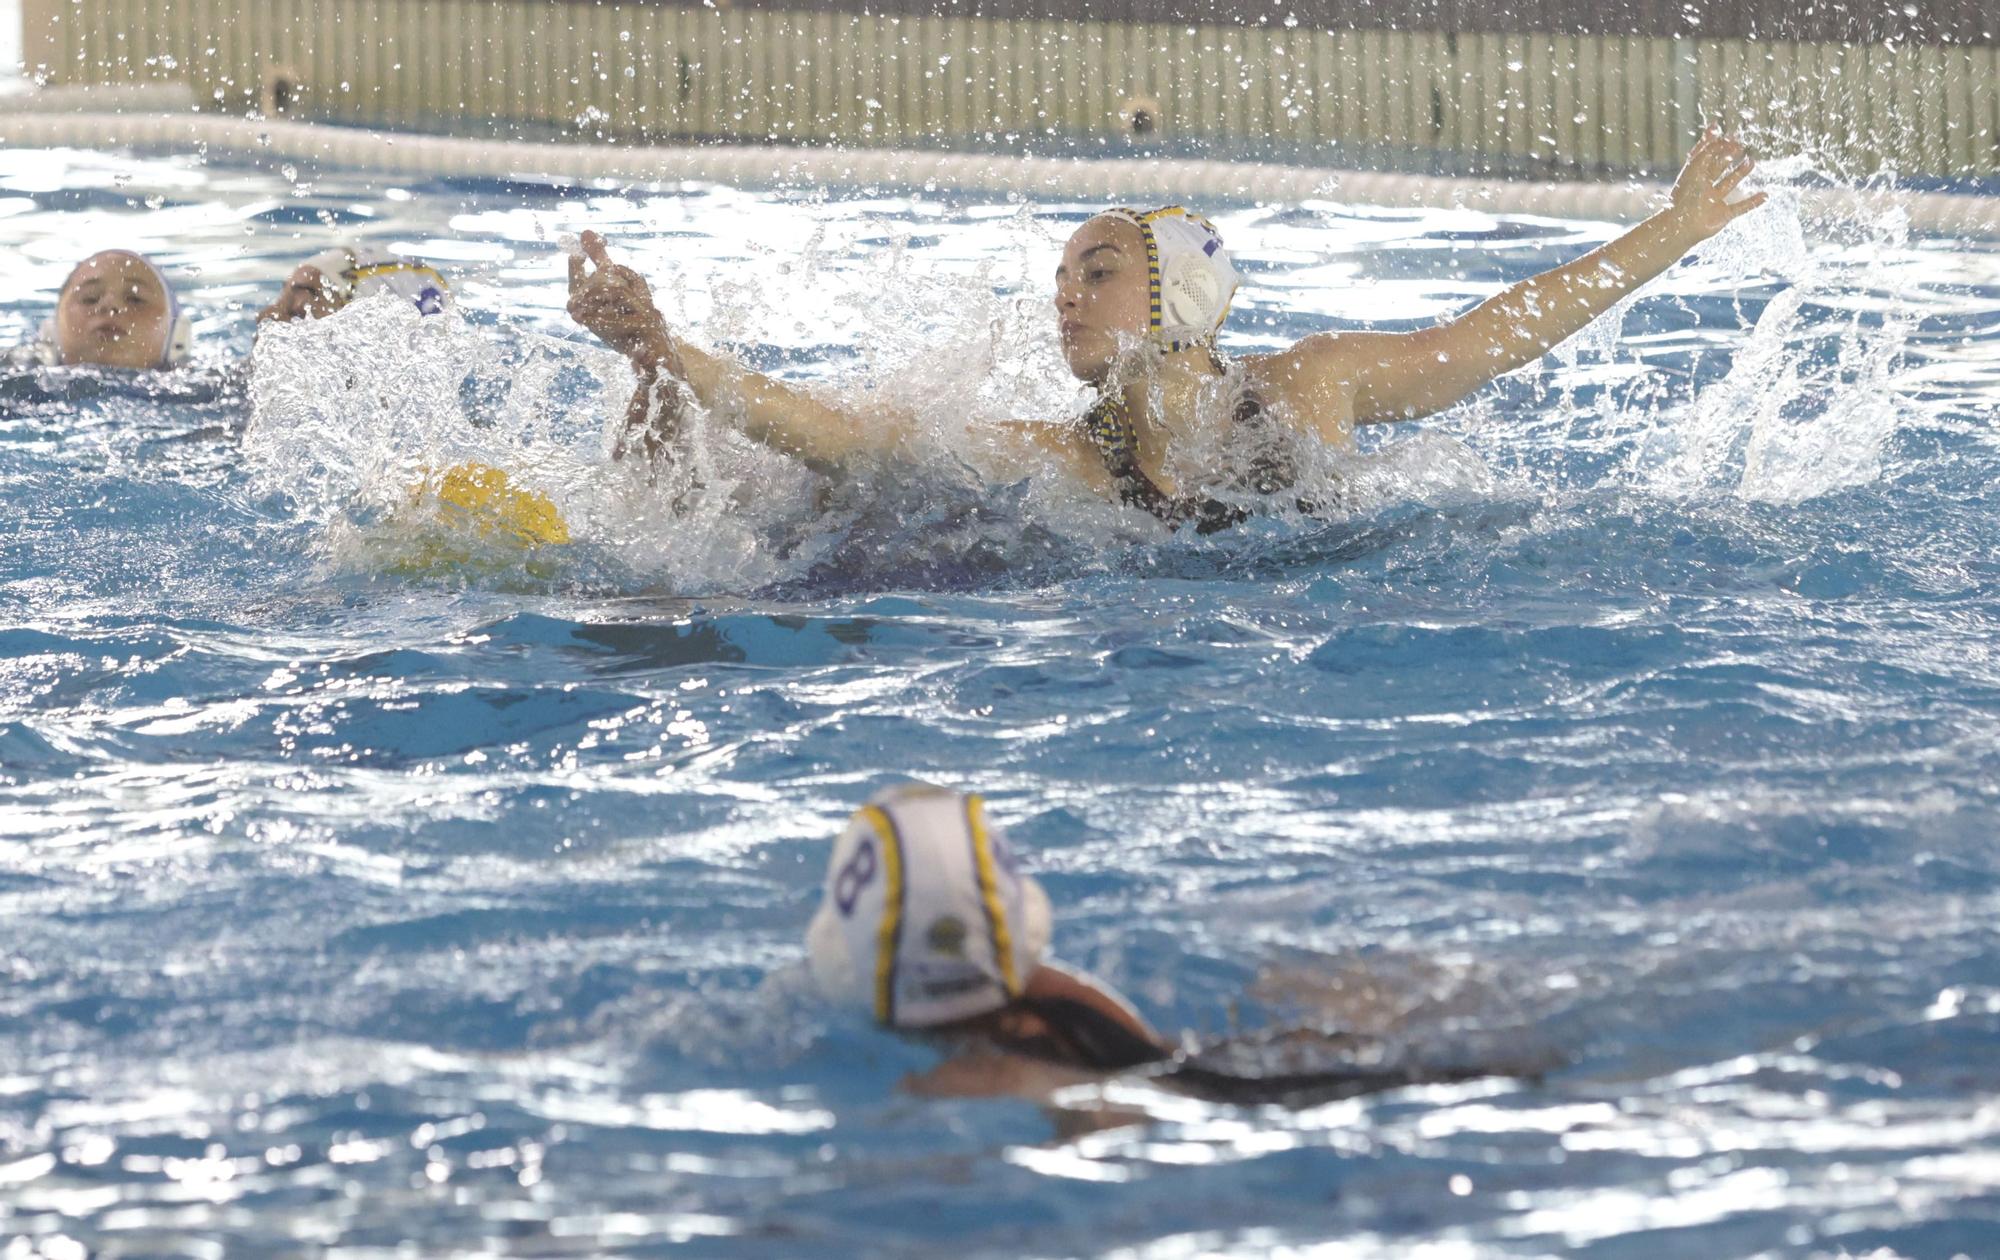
x: 114, y: 311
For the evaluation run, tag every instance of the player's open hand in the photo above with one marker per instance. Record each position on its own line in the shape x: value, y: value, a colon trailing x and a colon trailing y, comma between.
x: 1715, y: 167
x: 615, y: 302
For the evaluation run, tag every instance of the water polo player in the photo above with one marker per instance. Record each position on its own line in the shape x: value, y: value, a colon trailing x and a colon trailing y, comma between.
x: 927, y: 924
x: 334, y: 277
x: 1140, y: 299
x: 116, y: 309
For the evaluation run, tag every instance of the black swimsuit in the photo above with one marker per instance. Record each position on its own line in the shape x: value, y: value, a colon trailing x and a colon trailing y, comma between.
x: 1108, y: 427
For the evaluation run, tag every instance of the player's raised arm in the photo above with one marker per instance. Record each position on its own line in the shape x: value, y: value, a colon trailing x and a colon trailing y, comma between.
x: 1402, y: 376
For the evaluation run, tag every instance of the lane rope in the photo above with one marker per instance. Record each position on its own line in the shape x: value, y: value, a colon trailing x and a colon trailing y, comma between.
x: 1042, y: 178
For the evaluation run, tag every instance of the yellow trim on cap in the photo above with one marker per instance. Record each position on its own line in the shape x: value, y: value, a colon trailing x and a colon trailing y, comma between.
x: 1155, y: 295
x: 892, y: 914
x: 989, y: 892
x: 371, y: 270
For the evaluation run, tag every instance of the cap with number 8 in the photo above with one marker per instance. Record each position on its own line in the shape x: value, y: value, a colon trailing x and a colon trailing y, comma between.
x: 924, y: 919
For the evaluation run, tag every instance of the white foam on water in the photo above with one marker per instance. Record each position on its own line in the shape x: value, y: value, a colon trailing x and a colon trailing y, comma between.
x: 1790, y: 460
x: 946, y: 339
x: 1813, y: 396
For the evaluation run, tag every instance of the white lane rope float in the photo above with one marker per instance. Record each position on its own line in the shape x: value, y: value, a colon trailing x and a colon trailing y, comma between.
x: 1050, y: 178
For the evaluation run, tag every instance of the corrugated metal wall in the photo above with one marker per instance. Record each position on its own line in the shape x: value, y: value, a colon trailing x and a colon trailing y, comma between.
x: 1419, y: 96
x: 1805, y: 21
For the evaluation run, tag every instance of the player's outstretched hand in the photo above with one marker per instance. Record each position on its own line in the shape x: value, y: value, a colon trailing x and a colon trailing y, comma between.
x: 1714, y: 169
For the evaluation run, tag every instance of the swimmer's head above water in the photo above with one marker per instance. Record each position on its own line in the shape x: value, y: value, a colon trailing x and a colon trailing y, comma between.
x: 1129, y: 278
x: 117, y: 309
x: 332, y: 278
x: 925, y: 918
x: 926, y: 923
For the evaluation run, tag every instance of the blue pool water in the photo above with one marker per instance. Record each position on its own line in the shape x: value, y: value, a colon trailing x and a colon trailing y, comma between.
x: 1640, y: 719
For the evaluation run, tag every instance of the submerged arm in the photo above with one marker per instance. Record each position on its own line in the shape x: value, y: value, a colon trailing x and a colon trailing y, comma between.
x: 1402, y: 376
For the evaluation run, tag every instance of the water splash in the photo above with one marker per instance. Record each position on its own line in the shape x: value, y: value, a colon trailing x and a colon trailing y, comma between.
x: 945, y: 356
x: 1811, y: 399
x: 907, y: 321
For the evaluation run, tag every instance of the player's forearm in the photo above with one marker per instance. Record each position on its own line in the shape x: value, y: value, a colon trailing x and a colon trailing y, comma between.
x: 1410, y: 375
x: 1524, y: 323
x: 783, y: 417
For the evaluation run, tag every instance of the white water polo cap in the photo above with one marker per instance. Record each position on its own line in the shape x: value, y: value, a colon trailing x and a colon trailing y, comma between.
x: 924, y: 918
x: 351, y: 272
x: 1190, y: 277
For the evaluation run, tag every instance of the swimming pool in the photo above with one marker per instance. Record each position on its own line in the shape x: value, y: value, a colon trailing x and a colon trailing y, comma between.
x: 1640, y: 717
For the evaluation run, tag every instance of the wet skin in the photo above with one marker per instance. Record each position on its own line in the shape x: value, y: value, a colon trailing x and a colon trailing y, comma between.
x: 304, y: 296
x: 1323, y: 385
x: 1102, y: 306
x: 113, y: 312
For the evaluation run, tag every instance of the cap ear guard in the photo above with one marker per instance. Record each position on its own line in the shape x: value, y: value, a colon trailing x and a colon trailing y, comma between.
x: 180, y: 340
x: 923, y: 919
x: 1191, y: 279
x: 1189, y: 292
